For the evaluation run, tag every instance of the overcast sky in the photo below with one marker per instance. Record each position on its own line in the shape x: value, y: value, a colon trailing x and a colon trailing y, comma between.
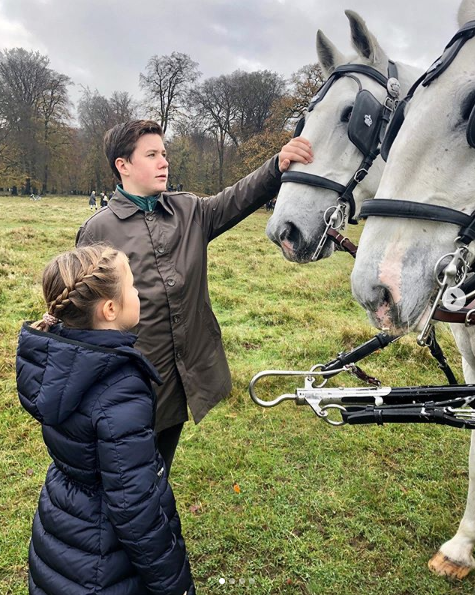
x: 105, y: 44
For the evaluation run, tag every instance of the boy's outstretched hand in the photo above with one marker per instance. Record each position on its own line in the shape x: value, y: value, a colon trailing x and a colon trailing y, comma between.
x: 297, y: 149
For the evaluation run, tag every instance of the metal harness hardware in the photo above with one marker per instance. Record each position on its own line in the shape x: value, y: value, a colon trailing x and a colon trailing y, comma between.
x: 381, y: 404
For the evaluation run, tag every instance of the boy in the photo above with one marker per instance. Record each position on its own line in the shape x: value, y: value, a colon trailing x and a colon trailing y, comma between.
x: 165, y: 236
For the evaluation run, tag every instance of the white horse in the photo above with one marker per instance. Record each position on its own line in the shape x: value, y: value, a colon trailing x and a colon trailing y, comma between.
x: 298, y: 220
x: 430, y: 162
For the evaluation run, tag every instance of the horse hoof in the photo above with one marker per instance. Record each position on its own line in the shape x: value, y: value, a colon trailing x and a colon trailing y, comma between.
x: 443, y: 566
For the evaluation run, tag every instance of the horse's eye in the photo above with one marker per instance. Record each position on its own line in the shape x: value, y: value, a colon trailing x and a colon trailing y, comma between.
x: 346, y: 114
x: 467, y: 105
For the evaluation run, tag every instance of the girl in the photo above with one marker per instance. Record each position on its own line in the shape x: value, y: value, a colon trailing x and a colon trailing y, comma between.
x: 106, y: 521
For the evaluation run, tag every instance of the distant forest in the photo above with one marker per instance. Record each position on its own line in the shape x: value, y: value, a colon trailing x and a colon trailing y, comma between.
x: 216, y: 130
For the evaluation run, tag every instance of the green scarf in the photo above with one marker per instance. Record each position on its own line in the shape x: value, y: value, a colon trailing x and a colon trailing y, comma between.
x: 146, y: 203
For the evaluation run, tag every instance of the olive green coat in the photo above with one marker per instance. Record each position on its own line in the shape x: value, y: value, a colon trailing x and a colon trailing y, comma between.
x: 167, y: 248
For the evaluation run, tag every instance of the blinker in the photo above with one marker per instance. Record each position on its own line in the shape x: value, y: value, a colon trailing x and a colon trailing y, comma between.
x: 365, y: 121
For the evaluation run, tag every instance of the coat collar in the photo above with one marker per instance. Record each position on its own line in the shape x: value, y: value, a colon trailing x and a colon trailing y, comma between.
x: 124, y: 208
x: 110, y: 341
x: 107, y: 338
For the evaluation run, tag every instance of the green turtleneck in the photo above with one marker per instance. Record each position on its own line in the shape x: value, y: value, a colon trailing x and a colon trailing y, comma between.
x: 146, y: 203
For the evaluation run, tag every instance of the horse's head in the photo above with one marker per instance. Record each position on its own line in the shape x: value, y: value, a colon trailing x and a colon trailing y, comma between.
x: 298, y: 222
x: 432, y: 161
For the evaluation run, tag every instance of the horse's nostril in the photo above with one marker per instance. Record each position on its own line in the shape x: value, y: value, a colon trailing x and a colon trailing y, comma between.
x: 379, y: 297
x: 386, y: 297
x: 284, y: 233
x: 289, y: 233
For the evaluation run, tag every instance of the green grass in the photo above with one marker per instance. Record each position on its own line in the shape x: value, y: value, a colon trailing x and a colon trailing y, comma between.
x: 321, y: 510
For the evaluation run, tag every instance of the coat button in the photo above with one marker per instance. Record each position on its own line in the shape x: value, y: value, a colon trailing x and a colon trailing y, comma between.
x: 178, y: 354
x: 149, y: 217
x: 160, y: 249
x: 176, y: 319
x: 171, y: 282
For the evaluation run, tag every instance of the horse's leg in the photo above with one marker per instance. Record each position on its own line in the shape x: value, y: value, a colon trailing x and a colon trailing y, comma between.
x: 454, y: 559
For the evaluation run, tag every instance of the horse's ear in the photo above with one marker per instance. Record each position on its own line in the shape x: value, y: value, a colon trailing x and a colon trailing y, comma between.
x: 364, y: 42
x: 328, y: 56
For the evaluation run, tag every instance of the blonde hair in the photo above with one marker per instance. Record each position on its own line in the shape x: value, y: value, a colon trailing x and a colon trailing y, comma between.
x: 75, y: 281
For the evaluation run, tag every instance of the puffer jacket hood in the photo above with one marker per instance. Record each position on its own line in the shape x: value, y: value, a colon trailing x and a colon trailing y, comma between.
x: 55, y: 369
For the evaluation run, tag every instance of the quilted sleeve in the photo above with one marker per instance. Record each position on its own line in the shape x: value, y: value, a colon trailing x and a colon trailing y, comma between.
x: 137, y: 492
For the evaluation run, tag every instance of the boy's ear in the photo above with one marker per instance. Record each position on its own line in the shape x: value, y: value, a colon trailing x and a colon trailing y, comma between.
x: 121, y: 165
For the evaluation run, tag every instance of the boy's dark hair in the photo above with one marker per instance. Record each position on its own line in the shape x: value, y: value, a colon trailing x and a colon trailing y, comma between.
x: 121, y: 140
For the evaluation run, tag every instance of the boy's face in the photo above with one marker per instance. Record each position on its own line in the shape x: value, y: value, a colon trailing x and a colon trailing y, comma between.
x: 146, y: 173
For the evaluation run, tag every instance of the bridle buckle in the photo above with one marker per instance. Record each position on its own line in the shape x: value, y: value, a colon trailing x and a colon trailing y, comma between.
x: 390, y: 103
x: 360, y: 175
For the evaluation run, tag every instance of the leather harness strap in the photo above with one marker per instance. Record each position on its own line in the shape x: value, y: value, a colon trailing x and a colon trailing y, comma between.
x: 343, y: 242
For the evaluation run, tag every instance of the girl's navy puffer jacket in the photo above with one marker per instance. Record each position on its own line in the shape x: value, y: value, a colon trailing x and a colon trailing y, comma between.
x: 106, y: 520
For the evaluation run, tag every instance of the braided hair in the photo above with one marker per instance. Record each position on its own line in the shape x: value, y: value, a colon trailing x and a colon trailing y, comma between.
x: 75, y: 281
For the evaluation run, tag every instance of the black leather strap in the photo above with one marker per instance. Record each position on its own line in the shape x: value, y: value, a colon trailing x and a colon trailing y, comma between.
x: 299, y: 177
x: 392, y: 70
x: 380, y: 341
x: 410, y: 415
x: 406, y: 209
x: 345, y: 193
x: 438, y: 354
x: 468, y: 31
x: 362, y: 69
x: 467, y: 234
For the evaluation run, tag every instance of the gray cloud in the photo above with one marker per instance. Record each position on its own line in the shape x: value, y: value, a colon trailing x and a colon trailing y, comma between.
x: 106, y: 44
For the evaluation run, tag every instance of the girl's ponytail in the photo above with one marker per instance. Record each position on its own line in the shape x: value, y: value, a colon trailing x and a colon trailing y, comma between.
x: 74, y: 282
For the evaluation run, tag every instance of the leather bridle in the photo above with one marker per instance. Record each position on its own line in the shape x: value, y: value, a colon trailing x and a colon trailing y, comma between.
x: 454, y: 275
x: 335, y: 217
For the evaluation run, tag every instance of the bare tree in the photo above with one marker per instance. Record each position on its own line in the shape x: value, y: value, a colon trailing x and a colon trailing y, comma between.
x: 33, y: 98
x: 214, y: 105
x: 123, y: 106
x: 54, y: 109
x: 166, y: 82
x: 254, y: 94
x: 23, y: 77
x: 97, y: 114
x: 233, y: 108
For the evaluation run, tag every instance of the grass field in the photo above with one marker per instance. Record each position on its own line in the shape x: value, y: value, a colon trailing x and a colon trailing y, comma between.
x: 321, y: 510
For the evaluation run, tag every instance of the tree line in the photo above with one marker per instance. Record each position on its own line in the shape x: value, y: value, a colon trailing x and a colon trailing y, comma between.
x: 216, y: 130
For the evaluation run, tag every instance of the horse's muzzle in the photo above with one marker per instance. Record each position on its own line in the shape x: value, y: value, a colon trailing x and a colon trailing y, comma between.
x: 294, y: 246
